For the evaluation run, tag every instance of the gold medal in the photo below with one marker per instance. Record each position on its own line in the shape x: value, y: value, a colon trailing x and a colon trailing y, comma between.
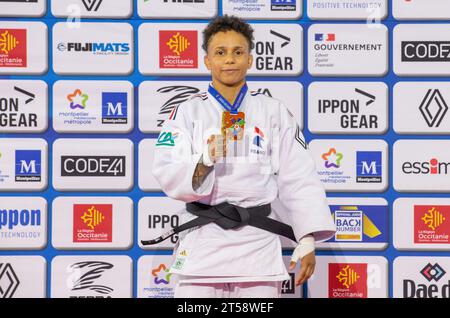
x: 233, y: 125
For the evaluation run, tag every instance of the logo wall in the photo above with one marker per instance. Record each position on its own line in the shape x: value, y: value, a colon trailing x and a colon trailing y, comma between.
x: 349, y: 277
x: 422, y: 50
x: 91, y: 277
x: 93, y: 8
x: 372, y: 11
x: 200, y: 9
x: 345, y: 50
x: 276, y: 9
x: 93, y: 106
x: 22, y: 8
x: 347, y: 108
x: 23, y: 223
x: 361, y: 224
x: 98, y: 166
x: 421, y: 171
x: 93, y: 48
x: 23, y: 164
x: 351, y: 165
x: 421, y: 277
x: 422, y: 223
x: 23, y: 47
x: 23, y: 106
x: 92, y: 223
x: 23, y: 276
x: 421, y: 108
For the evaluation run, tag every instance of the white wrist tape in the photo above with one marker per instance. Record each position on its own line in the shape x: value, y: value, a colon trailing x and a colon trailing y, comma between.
x: 206, y: 158
x: 304, y: 247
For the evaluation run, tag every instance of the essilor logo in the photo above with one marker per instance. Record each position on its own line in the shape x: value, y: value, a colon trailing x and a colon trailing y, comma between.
x: 433, y: 166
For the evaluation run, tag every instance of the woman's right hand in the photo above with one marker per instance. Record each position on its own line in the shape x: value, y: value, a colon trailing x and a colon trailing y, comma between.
x: 217, y: 147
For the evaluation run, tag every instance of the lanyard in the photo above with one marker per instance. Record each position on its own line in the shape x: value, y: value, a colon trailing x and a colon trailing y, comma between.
x: 225, y: 104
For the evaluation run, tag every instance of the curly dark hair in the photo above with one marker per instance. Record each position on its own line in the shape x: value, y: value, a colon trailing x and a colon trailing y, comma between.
x: 227, y: 23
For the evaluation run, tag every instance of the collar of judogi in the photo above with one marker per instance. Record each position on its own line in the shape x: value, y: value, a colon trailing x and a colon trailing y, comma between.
x: 225, y: 104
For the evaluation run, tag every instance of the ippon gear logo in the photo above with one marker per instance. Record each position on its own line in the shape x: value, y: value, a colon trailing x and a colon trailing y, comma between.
x: 432, y: 272
x: 8, y: 281
x: 93, y: 166
x: 433, y: 108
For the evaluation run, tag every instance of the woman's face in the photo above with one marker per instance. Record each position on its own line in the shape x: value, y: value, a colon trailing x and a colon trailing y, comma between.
x: 228, y: 58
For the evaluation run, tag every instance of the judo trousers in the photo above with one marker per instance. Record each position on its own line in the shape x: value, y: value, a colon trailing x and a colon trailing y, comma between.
x: 229, y: 290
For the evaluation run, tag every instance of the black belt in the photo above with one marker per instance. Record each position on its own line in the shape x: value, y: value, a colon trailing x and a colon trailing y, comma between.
x: 229, y: 216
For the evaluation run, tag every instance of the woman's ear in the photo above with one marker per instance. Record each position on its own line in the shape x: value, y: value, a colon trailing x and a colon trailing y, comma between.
x: 250, y: 61
x: 207, y: 63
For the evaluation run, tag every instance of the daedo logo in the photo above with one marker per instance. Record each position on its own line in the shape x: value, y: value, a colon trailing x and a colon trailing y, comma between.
x: 178, y: 49
x: 13, y: 48
x: 431, y: 224
x: 347, y: 280
x: 92, y: 223
x: 413, y: 289
x: 28, y: 166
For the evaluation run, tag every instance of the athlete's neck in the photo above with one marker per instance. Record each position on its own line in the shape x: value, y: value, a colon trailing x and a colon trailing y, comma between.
x: 228, y: 92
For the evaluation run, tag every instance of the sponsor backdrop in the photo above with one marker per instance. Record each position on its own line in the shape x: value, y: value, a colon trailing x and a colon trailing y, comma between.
x: 85, y: 86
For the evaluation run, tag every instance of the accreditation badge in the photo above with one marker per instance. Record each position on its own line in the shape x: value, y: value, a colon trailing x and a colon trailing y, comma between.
x: 233, y: 125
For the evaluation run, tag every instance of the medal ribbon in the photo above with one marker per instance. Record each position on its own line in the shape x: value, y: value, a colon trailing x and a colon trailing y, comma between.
x: 225, y: 104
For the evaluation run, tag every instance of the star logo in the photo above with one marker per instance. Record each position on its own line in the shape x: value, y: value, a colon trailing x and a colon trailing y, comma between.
x: 161, y: 275
x: 332, y: 158
x: 77, y: 99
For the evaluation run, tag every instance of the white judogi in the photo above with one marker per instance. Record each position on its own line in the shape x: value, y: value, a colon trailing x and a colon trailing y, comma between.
x: 270, y: 163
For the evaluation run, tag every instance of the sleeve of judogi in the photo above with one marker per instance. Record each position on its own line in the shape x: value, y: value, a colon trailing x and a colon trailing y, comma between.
x: 175, y: 161
x: 299, y: 187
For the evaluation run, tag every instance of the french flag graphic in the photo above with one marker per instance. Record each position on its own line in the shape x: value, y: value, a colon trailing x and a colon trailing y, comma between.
x: 259, y: 138
x: 329, y: 37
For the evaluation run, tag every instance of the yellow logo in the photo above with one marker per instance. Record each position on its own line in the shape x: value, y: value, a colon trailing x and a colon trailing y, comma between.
x: 433, y: 218
x: 178, y: 44
x: 8, y: 42
x: 183, y: 253
x: 92, y: 217
x: 347, y: 276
